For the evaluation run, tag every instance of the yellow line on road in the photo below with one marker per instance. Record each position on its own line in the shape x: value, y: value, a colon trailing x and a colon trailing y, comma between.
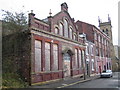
x: 72, y: 83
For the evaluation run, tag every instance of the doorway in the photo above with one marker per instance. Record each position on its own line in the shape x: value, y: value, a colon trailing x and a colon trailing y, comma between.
x: 66, y: 65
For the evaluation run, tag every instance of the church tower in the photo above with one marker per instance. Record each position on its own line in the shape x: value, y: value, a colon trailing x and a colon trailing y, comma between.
x: 106, y: 27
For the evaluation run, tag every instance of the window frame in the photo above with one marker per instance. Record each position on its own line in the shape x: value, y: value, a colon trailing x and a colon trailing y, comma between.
x: 37, y: 70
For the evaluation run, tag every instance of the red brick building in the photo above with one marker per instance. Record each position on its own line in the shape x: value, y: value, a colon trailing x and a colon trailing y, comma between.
x: 97, y: 48
x: 57, y: 50
x: 102, y: 43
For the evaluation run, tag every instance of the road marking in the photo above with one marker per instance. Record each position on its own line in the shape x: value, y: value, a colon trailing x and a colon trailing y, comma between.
x: 72, y: 83
x: 64, y: 84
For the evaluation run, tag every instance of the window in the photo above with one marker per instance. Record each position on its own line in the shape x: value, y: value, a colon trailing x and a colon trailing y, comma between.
x: 102, y: 40
x: 99, y: 38
x: 37, y: 56
x: 95, y: 36
x: 105, y: 41
x: 55, y: 57
x: 92, y: 50
x: 56, y: 30
x: 92, y: 64
x: 66, y: 28
x: 97, y: 51
x: 66, y: 56
x: 80, y: 63
x: 107, y: 31
x: 103, y: 30
x: 83, y: 57
x: 70, y: 33
x: 47, y: 56
x: 61, y: 29
x: 87, y: 49
x: 76, y: 58
x: 74, y: 37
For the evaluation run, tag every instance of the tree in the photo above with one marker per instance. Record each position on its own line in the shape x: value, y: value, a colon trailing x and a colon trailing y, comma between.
x: 13, y: 39
x: 14, y: 22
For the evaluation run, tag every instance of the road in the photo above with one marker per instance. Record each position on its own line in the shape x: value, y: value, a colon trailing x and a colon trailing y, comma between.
x: 99, y: 83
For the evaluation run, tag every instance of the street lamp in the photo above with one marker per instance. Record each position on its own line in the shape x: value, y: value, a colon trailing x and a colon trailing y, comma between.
x: 83, y: 62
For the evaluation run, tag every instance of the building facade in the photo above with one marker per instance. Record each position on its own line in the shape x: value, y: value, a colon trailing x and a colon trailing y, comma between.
x: 102, y: 45
x: 57, y: 50
x: 117, y: 51
x: 116, y: 62
x: 98, y: 43
x: 62, y: 48
x: 90, y: 59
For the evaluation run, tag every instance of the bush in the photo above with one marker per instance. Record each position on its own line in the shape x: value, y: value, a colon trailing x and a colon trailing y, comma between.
x: 13, y: 80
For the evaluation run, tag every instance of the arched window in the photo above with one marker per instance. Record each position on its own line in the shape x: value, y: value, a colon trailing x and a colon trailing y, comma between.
x: 74, y: 36
x: 70, y: 32
x: 61, y: 29
x: 103, y: 30
x: 107, y: 31
x: 56, y: 30
x: 65, y: 28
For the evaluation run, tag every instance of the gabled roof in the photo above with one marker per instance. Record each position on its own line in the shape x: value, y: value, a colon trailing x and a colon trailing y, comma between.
x: 64, y: 12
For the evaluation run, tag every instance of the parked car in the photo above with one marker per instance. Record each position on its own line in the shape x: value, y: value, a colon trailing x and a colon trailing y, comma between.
x: 106, y: 73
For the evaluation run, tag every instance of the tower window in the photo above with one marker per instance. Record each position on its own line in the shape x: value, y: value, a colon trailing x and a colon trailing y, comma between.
x: 107, y: 31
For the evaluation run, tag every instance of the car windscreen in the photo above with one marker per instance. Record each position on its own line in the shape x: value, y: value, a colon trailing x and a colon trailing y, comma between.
x: 108, y: 71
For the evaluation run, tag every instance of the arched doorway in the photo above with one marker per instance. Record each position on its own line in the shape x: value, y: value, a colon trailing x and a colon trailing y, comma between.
x: 66, y: 65
x: 67, y: 62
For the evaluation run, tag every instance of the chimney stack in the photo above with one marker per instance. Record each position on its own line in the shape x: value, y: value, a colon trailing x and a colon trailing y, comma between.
x: 64, y: 7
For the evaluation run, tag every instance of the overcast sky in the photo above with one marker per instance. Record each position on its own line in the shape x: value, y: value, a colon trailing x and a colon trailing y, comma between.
x: 83, y: 10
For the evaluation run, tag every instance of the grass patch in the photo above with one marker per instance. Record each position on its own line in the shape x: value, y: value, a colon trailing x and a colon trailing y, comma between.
x: 12, y: 80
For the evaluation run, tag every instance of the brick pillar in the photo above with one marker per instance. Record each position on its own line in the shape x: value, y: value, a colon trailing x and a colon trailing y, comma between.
x: 32, y: 53
x: 43, y: 56
x: 60, y: 60
x: 51, y: 57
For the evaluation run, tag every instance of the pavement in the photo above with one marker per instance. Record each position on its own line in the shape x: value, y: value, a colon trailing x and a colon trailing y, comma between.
x: 65, y: 82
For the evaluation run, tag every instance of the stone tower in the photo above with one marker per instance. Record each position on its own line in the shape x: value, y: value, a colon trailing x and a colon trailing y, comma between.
x: 106, y: 27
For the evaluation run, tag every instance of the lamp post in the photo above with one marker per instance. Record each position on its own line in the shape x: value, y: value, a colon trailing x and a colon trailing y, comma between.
x: 83, y: 56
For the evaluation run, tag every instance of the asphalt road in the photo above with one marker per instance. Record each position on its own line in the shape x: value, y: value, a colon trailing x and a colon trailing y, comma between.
x: 100, y: 83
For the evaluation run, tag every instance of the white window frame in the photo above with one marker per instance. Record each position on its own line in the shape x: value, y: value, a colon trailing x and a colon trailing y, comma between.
x: 93, y: 68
